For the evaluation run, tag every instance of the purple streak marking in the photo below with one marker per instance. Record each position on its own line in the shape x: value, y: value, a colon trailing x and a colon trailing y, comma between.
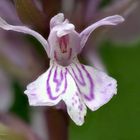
x: 56, y: 80
x: 49, y: 88
x: 91, y: 94
x: 58, y: 83
x: 65, y: 87
x: 82, y: 82
x: 70, y: 53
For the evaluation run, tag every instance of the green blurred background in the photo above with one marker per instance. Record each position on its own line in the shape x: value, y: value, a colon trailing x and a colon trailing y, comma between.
x: 117, y: 120
x: 120, y: 118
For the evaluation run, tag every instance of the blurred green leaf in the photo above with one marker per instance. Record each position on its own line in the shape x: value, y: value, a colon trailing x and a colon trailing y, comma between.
x: 104, y: 3
x: 8, y: 134
x: 120, y: 118
x: 13, y: 128
x: 20, y: 106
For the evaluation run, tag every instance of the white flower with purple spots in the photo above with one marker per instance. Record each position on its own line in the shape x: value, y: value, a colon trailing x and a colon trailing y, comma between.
x: 67, y: 80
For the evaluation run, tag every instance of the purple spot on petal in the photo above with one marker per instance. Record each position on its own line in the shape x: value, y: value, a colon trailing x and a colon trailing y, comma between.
x: 33, y: 94
x: 77, y: 94
x: 80, y: 107
x: 80, y: 118
x: 110, y: 84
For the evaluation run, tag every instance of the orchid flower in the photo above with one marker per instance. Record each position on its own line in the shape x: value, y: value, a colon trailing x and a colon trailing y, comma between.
x: 77, y: 85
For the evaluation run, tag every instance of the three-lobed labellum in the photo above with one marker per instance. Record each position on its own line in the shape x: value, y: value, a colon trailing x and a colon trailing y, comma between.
x: 66, y: 79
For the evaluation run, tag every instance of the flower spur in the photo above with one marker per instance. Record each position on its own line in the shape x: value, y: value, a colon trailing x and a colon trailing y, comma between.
x: 67, y: 80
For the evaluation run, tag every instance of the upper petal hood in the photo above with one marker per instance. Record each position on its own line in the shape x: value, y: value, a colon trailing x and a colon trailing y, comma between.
x: 60, y: 25
x: 56, y: 20
x: 63, y: 40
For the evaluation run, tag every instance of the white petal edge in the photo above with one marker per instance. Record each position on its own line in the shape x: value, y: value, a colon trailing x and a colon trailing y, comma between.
x: 37, y: 91
x: 105, y: 89
x: 23, y: 29
x: 57, y: 19
x: 111, y: 20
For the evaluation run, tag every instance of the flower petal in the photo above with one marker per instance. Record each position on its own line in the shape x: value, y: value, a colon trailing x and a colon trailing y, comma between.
x: 54, y: 85
x: 64, y: 29
x: 111, y: 20
x: 56, y: 20
x: 46, y: 90
x: 96, y: 87
x: 23, y: 29
x: 61, y: 25
x: 75, y: 105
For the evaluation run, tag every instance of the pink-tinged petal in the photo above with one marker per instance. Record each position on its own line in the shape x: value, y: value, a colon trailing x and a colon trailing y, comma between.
x: 65, y: 48
x: 75, y: 105
x: 56, y: 20
x: 23, y: 29
x: 46, y: 90
x: 96, y: 87
x: 93, y: 58
x: 111, y: 20
x: 64, y: 29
